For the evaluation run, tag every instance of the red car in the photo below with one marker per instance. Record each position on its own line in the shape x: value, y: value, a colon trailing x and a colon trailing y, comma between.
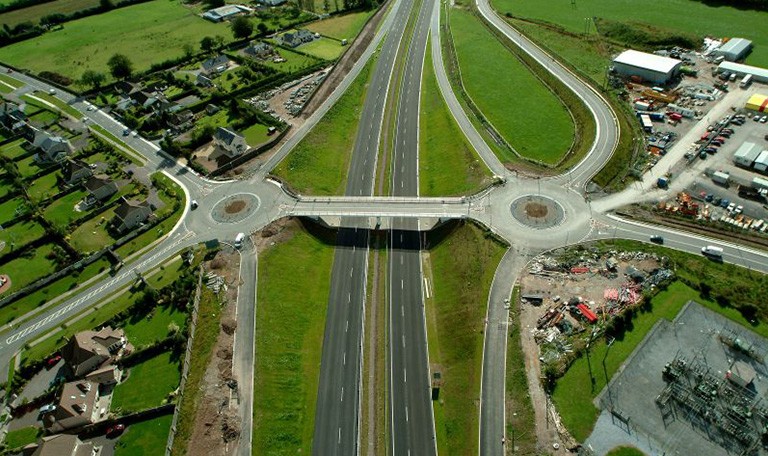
x: 114, y: 431
x: 52, y: 362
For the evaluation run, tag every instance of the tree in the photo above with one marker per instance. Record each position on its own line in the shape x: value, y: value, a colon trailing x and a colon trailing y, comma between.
x: 93, y: 78
x: 189, y: 50
x: 207, y: 43
x: 263, y: 29
x: 210, y: 4
x: 120, y: 66
x: 242, y: 27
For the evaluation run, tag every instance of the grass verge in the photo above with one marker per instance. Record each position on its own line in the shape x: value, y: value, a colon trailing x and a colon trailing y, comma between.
x: 319, y: 163
x: 447, y: 163
x: 521, y: 420
x: 290, y: 321
x: 463, y: 261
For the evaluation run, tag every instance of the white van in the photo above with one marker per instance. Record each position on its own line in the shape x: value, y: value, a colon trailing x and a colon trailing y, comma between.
x: 239, y: 240
x: 712, y: 251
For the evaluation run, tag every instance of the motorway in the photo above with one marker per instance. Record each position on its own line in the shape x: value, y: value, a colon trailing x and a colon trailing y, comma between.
x: 337, y: 420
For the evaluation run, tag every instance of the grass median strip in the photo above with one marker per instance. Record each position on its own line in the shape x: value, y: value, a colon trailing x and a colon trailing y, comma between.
x: 290, y: 321
x: 463, y: 261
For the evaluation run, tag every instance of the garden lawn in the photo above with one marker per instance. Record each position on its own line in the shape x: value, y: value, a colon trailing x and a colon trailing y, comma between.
x: 463, y: 265
x: 20, y: 234
x: 35, y: 13
x: 14, y: 149
x: 45, y: 116
x: 323, y: 48
x: 148, y: 384
x: 700, y: 18
x: 21, y: 437
x: 524, y: 111
x: 8, y: 209
x: 6, y: 186
x: 289, y: 338
x: 447, y: 164
x: 144, y: 438
x: 146, y: 329
x: 147, y: 33
x: 256, y: 134
x: 341, y: 27
x: 25, y: 270
x: 318, y: 165
x: 62, y: 211
x: 92, y: 235
x: 293, y: 61
x: 45, y: 186
x: 29, y: 166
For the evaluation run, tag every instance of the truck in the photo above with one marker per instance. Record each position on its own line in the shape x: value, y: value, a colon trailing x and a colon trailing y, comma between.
x: 721, y: 178
x: 752, y: 193
x: 645, y: 120
x: 712, y: 251
x: 745, y: 81
x: 760, y: 183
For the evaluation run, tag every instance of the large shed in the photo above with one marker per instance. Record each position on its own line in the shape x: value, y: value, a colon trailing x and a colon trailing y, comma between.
x: 734, y: 49
x: 747, y: 154
x: 649, y: 67
x: 758, y: 74
x: 757, y: 103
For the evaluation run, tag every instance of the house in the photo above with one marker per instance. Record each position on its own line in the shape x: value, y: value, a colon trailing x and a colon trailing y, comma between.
x: 294, y: 39
x: 225, y: 12
x: 272, y: 2
x: 215, y: 65
x: 50, y: 148
x: 230, y: 142
x: 107, y: 375
x: 143, y: 98
x: 259, y: 50
x: 130, y: 214
x: 80, y: 404
x: 12, y: 117
x: 62, y: 445
x: 212, y: 109
x: 75, y: 170
x: 100, y: 187
x: 181, y: 120
x: 89, y: 350
x: 124, y: 87
x: 203, y: 80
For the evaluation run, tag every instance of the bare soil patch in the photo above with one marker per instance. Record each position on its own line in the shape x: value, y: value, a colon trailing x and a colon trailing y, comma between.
x: 536, y: 210
x: 234, y: 207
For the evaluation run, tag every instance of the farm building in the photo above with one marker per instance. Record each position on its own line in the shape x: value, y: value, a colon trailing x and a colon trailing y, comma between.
x: 758, y: 74
x: 649, y: 67
x: 225, y: 12
x: 735, y: 49
x: 747, y: 154
x: 757, y: 103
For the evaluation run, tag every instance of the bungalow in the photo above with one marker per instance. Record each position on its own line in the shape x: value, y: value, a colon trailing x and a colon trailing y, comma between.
x: 225, y: 12
x: 12, y: 117
x: 259, y: 50
x: 203, y: 80
x: 62, y: 445
x: 215, y: 65
x: 89, y: 350
x: 143, y: 99
x: 272, y: 2
x: 124, y: 87
x: 50, y: 148
x: 181, y: 120
x: 130, y: 214
x: 75, y: 170
x: 231, y: 143
x: 294, y: 39
x: 100, y: 187
x: 80, y: 404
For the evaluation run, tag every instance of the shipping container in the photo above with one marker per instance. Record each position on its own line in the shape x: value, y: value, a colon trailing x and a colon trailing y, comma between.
x: 721, y: 178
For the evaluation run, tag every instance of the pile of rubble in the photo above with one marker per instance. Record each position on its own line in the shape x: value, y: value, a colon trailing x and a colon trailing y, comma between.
x: 215, y: 282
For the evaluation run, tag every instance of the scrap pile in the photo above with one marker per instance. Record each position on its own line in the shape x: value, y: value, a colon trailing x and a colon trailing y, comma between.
x: 682, y: 205
x: 215, y: 282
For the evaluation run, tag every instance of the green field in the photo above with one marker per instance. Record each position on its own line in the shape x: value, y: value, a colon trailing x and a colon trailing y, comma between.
x: 323, y: 48
x: 10, y: 81
x: 35, y: 13
x: 145, y: 438
x: 147, y: 33
x: 21, y: 437
x: 8, y: 209
x: 29, y: 166
x: 341, y: 27
x: 448, y: 165
x: 20, y: 234
x: 14, y: 149
x: 92, y: 235
x: 699, y: 18
x: 523, y: 110
x: 463, y: 265
x: 256, y: 134
x: 521, y: 418
x: 147, y: 329
x: 148, y: 384
x: 293, y: 61
x: 26, y: 269
x: 290, y: 322
x: 62, y: 211
x: 318, y: 165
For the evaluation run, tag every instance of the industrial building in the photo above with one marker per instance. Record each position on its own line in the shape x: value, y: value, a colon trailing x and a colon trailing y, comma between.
x: 735, y: 49
x: 648, y: 67
x: 758, y: 74
x: 747, y: 154
x: 757, y: 103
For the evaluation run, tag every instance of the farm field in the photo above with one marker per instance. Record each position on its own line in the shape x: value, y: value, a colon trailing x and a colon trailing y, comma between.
x: 700, y: 18
x: 509, y: 95
x: 447, y: 164
x: 341, y: 27
x: 147, y: 33
x: 35, y: 13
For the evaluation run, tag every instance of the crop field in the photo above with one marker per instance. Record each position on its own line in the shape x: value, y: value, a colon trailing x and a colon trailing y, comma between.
x: 699, y: 17
x: 35, y: 13
x: 509, y: 95
x: 341, y: 27
x: 323, y: 48
x: 147, y: 33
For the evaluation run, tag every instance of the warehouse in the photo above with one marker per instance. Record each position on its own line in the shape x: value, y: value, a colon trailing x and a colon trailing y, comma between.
x: 747, y: 154
x: 735, y: 49
x: 648, y: 67
x: 758, y: 74
x: 757, y: 103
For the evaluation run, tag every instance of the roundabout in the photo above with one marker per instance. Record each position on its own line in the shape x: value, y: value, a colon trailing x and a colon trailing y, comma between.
x: 235, y: 208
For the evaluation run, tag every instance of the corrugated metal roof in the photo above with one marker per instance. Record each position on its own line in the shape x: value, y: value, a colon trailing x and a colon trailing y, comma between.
x: 735, y: 46
x: 647, y: 61
x: 748, y: 150
x: 762, y: 158
x: 741, y: 68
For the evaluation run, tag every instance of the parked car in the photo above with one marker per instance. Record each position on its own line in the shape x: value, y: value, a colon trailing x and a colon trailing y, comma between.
x: 731, y: 207
x: 764, y: 119
x: 739, y: 209
x: 114, y: 431
x: 709, y: 198
x: 47, y: 408
x: 703, y: 155
x: 725, y: 202
x: 716, y: 201
x: 711, y: 150
x: 53, y: 361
